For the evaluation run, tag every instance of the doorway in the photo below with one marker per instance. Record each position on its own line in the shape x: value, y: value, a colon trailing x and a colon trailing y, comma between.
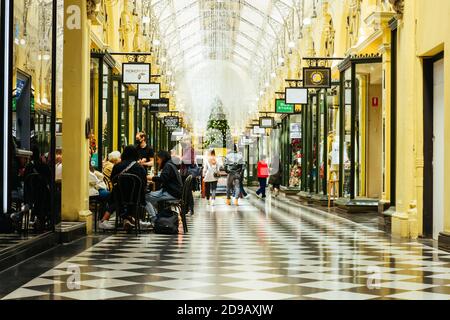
x: 369, y: 173
x: 434, y: 130
x: 438, y: 154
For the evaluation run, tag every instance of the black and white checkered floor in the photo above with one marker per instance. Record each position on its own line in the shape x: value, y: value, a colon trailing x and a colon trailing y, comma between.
x: 260, y: 250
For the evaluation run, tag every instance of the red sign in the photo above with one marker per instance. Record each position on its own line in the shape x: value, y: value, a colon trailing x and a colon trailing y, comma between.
x: 375, y: 102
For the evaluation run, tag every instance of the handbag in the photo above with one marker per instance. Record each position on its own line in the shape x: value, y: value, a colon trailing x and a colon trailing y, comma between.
x: 166, y: 222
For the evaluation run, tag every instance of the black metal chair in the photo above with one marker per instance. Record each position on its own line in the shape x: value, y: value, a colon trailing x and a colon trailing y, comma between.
x: 128, y: 196
x: 99, y: 206
x: 37, y: 198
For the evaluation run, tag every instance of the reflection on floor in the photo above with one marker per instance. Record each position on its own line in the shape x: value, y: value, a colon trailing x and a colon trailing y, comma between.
x: 259, y: 250
x: 8, y: 241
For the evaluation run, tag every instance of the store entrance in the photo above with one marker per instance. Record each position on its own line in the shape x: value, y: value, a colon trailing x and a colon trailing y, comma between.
x: 434, y: 129
x: 438, y: 151
x: 369, y: 131
x: 363, y: 125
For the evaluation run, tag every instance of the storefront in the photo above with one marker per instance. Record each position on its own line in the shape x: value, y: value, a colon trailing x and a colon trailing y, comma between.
x: 289, y: 137
x: 102, y: 124
x: 362, y: 132
x: 31, y: 124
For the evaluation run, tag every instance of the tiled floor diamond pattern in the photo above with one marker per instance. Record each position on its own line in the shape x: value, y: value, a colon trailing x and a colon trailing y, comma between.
x: 268, y: 251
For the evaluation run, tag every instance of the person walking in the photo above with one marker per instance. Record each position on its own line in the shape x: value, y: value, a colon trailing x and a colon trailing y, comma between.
x: 211, y: 176
x: 275, y: 176
x: 263, y: 174
x: 234, y: 167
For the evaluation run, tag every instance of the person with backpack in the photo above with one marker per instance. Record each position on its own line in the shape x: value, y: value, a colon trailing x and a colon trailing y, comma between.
x: 263, y: 174
x: 211, y: 176
x: 170, y: 182
x: 234, y: 167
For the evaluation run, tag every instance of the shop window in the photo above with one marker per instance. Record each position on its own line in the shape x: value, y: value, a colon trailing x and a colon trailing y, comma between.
x: 31, y: 191
x: 295, y: 152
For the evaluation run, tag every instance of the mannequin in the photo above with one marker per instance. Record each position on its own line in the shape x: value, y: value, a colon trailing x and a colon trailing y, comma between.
x: 333, y: 155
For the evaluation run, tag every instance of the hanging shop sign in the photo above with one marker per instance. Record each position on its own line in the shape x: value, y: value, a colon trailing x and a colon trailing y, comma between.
x: 257, y: 130
x: 136, y: 73
x: 266, y: 122
x: 317, y: 78
x: 150, y: 91
x: 296, y: 96
x: 282, y: 107
x: 161, y: 105
x: 172, y: 122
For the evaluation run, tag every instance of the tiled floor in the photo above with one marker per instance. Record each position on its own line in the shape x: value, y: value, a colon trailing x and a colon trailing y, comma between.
x: 260, y: 250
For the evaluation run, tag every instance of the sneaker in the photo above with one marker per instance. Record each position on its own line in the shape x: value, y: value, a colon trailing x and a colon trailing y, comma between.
x: 105, y: 225
x: 228, y: 202
x: 247, y: 196
x: 212, y: 203
x: 236, y: 202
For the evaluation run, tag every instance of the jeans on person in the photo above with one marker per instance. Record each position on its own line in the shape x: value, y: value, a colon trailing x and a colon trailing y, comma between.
x: 242, y: 191
x: 211, y: 189
x: 233, y: 185
x: 152, y: 199
x: 262, y: 187
x: 103, y: 194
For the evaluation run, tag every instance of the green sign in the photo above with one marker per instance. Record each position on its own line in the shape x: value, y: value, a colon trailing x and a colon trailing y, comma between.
x: 282, y: 107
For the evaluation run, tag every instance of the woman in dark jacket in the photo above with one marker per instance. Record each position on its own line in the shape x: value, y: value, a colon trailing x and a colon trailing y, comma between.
x: 170, y: 182
x: 129, y: 165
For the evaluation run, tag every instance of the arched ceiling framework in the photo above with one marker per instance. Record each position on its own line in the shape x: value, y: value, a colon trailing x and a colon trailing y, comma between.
x: 252, y: 35
x: 239, y: 31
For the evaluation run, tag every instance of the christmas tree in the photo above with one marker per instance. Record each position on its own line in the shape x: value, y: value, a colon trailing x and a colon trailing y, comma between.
x: 218, y: 134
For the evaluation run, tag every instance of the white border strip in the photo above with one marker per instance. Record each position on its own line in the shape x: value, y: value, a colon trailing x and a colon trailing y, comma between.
x: 6, y: 107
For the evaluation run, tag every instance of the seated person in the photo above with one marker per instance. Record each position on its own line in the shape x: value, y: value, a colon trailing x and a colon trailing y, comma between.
x: 169, y: 180
x: 97, y: 187
x: 41, y: 210
x: 113, y: 159
x: 129, y: 164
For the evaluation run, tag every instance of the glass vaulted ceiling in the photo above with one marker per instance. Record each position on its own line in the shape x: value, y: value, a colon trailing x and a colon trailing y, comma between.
x: 243, y: 33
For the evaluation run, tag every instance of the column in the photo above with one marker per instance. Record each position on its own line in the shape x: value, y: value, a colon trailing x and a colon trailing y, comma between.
x: 76, y: 81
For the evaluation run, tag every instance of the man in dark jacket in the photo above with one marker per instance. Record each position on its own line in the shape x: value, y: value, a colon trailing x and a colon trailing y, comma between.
x: 170, y: 181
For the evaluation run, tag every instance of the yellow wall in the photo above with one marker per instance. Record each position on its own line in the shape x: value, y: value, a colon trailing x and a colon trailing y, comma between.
x: 423, y: 31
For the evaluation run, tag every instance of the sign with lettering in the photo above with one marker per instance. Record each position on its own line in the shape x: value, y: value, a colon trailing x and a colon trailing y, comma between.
x: 161, y: 105
x: 150, y: 91
x: 171, y: 122
x: 282, y: 107
x: 136, y: 73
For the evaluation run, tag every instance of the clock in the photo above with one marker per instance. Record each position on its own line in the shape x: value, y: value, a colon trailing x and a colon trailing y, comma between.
x: 317, y: 77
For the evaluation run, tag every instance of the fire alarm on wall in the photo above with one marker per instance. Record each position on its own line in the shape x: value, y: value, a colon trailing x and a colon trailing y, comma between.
x: 375, y: 102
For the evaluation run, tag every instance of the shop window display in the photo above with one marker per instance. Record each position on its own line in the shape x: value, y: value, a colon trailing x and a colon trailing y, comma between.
x: 347, y: 144
x: 29, y: 141
x: 333, y: 140
x: 296, y: 152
